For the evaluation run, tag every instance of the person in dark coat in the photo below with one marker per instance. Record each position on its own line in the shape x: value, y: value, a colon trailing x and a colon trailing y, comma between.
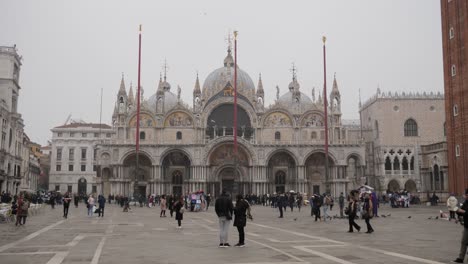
x: 170, y: 202
x: 76, y: 199
x: 224, y: 209
x: 179, y: 211
x: 66, y: 204
x: 241, y: 211
x: 281, y: 200
x: 102, y: 204
x: 352, y: 211
x: 464, y: 242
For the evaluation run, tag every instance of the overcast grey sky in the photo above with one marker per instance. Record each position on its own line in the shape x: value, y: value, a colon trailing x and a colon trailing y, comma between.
x: 72, y: 49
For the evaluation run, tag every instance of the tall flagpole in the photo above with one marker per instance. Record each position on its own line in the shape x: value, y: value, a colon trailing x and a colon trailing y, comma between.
x: 235, y: 92
x: 235, y: 106
x: 325, y: 103
x: 137, y: 150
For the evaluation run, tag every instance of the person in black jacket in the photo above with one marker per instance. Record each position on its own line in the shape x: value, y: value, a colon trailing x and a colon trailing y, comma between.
x: 352, y: 211
x: 241, y: 211
x: 224, y: 209
x: 179, y: 211
x: 464, y: 242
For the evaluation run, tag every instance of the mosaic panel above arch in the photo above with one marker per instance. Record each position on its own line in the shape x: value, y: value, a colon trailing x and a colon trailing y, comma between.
x: 277, y: 119
x: 312, y: 120
x: 225, y: 154
x: 145, y: 121
x: 178, y: 119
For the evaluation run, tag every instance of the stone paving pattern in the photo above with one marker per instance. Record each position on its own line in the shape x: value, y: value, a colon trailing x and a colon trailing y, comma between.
x: 141, y: 236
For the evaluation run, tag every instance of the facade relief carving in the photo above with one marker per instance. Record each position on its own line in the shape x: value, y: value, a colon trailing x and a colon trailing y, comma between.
x: 278, y: 119
x: 178, y: 119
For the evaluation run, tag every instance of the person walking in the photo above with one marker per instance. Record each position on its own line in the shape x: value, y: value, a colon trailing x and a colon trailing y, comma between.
x: 317, y: 205
x: 326, y: 206
x: 24, y: 211
x: 452, y: 206
x: 280, y: 202
x: 352, y: 211
x: 224, y: 209
x: 171, y: 204
x: 102, y: 204
x: 341, y: 204
x: 90, y: 205
x: 19, y: 211
x: 163, y: 206
x: 464, y: 242
x: 66, y: 204
x: 299, y: 201
x: 368, y: 212
x: 241, y: 211
x: 179, y: 211
x: 52, y: 200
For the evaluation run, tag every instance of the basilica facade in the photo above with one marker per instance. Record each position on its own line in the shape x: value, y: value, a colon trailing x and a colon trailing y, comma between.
x: 185, y: 148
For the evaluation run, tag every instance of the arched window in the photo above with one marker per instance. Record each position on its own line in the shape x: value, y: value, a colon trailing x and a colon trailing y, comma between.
x: 455, y: 110
x: 277, y: 135
x: 179, y: 135
x: 388, y: 164
x: 404, y: 163
x: 142, y: 135
x: 313, y: 135
x: 411, y: 128
x: 412, y: 163
x: 451, y: 33
x: 454, y: 70
x: 121, y: 100
x: 396, y: 164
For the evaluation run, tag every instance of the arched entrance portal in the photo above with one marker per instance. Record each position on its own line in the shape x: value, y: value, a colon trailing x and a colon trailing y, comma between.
x: 138, y: 178
x: 82, y: 187
x: 176, y: 172
x: 282, y: 172
x: 393, y: 186
x: 410, y: 186
x: 228, y: 170
x: 315, y: 172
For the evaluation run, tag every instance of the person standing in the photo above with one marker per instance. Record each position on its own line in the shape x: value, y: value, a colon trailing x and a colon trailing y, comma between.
x: 241, y: 211
x: 102, y: 204
x: 52, y: 200
x: 66, y: 204
x: 326, y: 206
x: 179, y: 211
x: 452, y: 206
x: 224, y: 209
x: 208, y: 200
x: 317, y: 205
x: 368, y: 212
x: 464, y: 242
x: 163, y: 206
x: 76, y: 199
x: 352, y: 211
x: 90, y: 205
x: 171, y: 204
x: 341, y: 203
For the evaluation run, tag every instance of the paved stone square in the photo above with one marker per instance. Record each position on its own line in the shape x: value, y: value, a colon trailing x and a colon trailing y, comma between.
x: 141, y: 236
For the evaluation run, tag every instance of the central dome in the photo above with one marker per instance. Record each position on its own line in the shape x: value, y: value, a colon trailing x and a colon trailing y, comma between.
x: 217, y: 80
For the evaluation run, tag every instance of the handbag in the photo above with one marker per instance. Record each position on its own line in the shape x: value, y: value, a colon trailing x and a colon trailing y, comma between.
x: 182, y: 210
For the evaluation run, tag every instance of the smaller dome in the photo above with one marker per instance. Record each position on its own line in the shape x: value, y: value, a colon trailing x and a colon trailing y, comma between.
x: 294, y: 85
x: 170, y: 101
x: 290, y: 101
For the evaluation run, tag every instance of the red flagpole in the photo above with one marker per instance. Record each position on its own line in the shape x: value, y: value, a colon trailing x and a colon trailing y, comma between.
x: 235, y: 92
x: 324, y: 39
x: 137, y: 136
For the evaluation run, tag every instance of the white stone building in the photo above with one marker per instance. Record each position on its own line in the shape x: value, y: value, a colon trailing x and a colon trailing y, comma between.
x: 401, y: 131
x: 188, y: 148
x: 11, y: 122
x: 73, y: 164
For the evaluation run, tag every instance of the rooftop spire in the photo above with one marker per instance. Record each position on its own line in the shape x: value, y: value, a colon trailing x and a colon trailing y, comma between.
x: 165, y: 69
x: 260, y: 85
x: 131, y: 99
x: 335, y: 85
x: 122, y: 84
x: 197, y: 89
